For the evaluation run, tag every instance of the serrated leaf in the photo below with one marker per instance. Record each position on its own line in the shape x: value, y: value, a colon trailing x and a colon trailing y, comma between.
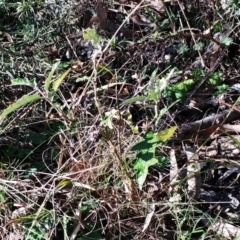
x: 59, y: 80
x: 91, y: 34
x: 198, y: 46
x: 166, y: 134
x: 227, y: 41
x: 21, y: 102
x: 215, y: 78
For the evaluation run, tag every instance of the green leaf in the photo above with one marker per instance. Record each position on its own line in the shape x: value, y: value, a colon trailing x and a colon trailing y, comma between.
x: 221, y: 89
x: 91, y: 34
x: 198, y: 46
x: 166, y: 134
x: 215, y: 79
x: 227, y: 41
x: 134, y: 99
x: 24, y: 82
x: 105, y: 69
x: 89, y: 204
x: 147, y: 152
x: 49, y: 78
x: 107, y: 121
x: 21, y: 102
x: 59, y: 80
x: 152, y: 79
x: 183, y: 49
x: 65, y: 183
x: 142, y: 169
x: 150, y: 141
x: 179, y: 90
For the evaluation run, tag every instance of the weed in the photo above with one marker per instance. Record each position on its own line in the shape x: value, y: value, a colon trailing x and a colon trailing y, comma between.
x: 88, y: 117
x: 148, y: 156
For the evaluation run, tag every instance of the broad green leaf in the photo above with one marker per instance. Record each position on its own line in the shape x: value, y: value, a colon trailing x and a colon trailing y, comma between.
x: 59, y: 80
x: 21, y: 102
x: 24, y: 82
x: 49, y: 78
x: 153, y: 95
x: 150, y: 142
x: 91, y: 34
x: 142, y: 169
x: 166, y: 134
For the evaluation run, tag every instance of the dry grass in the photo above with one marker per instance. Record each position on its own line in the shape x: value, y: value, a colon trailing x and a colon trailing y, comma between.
x: 67, y: 169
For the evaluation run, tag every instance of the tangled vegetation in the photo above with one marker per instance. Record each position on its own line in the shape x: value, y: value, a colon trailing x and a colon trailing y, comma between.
x: 119, y: 119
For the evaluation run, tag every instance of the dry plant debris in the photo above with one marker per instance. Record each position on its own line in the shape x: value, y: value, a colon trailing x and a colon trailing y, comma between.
x: 119, y: 120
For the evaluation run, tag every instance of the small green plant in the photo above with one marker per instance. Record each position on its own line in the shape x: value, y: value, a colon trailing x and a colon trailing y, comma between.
x: 154, y: 93
x: 179, y: 90
x: 183, y: 49
x: 115, y: 114
x: 221, y: 89
x: 148, y: 156
x: 227, y: 41
x: 40, y: 230
x: 91, y: 34
x: 199, y: 46
x: 198, y: 73
x: 216, y: 78
x: 49, y: 92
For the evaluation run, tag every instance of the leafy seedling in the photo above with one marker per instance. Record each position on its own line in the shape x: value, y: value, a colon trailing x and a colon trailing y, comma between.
x: 179, y: 90
x: 91, y: 34
x: 147, y: 156
x: 216, y: 78
x: 28, y: 99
